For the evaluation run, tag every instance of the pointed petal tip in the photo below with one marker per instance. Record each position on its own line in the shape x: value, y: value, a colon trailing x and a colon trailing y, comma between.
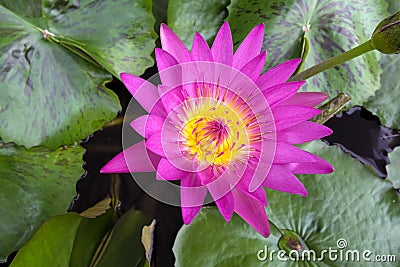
x: 189, y: 213
x: 114, y: 166
x: 265, y: 233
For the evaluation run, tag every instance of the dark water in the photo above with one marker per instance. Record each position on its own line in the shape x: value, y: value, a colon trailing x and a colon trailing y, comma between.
x: 361, y: 134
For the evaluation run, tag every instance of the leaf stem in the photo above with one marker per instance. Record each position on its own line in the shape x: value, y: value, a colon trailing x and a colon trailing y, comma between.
x: 333, y: 61
x: 276, y: 227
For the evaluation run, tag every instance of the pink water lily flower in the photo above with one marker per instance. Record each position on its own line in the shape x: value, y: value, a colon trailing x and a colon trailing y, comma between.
x: 220, y: 126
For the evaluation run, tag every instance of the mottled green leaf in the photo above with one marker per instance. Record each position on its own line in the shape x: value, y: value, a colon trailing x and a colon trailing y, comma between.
x: 51, y: 94
x: 382, y: 103
x: 394, y: 5
x: 119, y: 35
x: 351, y: 204
x: 188, y: 16
x: 35, y: 185
x: 331, y: 27
x: 393, y: 168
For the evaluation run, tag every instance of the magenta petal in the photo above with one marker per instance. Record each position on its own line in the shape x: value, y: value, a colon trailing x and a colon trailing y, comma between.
x: 249, y: 48
x: 286, y: 153
x: 143, y: 91
x: 279, y: 178
x: 281, y: 92
x: 147, y: 125
x: 164, y: 59
x: 200, y: 49
x: 222, y: 48
x: 173, y: 45
x: 278, y: 74
x: 192, y: 197
x: 225, y: 205
x: 319, y: 166
x: 288, y: 116
x: 254, y: 67
x: 167, y: 171
x: 137, y: 154
x: 171, y: 99
x: 252, y: 212
x: 154, y: 144
x: 244, y: 184
x: 303, y: 132
x: 310, y: 99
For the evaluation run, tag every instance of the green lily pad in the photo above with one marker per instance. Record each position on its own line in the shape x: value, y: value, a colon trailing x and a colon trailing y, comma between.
x: 35, y: 185
x: 52, y: 81
x: 393, y: 168
x: 72, y: 240
x: 330, y: 27
x: 350, y: 208
x: 188, y: 16
x: 382, y: 103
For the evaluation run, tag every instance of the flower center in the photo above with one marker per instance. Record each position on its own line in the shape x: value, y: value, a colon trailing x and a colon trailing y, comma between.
x: 214, y: 133
x: 208, y: 140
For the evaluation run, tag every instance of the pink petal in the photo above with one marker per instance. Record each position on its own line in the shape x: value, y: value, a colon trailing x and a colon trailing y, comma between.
x: 143, y: 91
x: 173, y: 45
x: 141, y: 160
x: 171, y: 99
x: 225, y: 205
x: 192, y: 197
x: 319, y: 166
x: 303, y: 132
x: 148, y: 125
x: 164, y: 59
x: 200, y: 49
x: 170, y: 71
x: 249, y: 48
x: 244, y: 184
x: 222, y: 48
x: 154, y: 144
x: 288, y: 116
x: 207, y: 176
x: 310, y: 99
x: 286, y: 153
x: 279, y: 178
x: 281, y: 92
x: 254, y: 67
x: 252, y: 212
x: 278, y: 74
x: 167, y: 171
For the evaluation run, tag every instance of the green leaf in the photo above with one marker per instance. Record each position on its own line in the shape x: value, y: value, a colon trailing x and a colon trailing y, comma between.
x: 350, y: 203
x: 51, y: 94
x: 334, y: 27
x: 188, y: 16
x: 119, y: 35
x: 124, y: 247
x: 382, y: 103
x: 393, y: 168
x: 50, y: 237
x: 35, y: 185
x: 88, y: 238
x: 210, y: 241
x: 72, y: 240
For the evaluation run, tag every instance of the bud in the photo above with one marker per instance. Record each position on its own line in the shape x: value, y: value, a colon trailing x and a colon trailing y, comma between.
x: 386, y: 37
